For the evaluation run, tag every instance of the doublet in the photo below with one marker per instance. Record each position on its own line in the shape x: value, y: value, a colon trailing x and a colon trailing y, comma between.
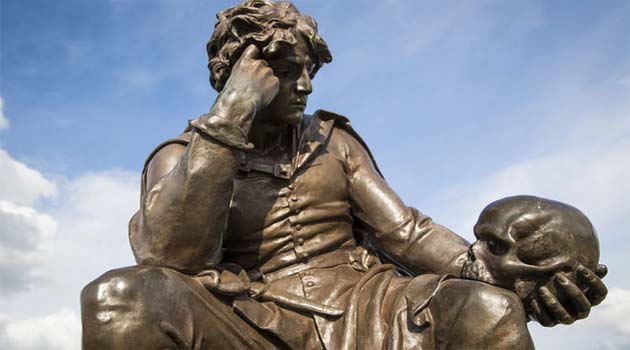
x: 310, y: 244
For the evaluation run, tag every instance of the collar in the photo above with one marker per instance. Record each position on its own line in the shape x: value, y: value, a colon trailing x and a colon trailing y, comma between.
x: 316, y: 131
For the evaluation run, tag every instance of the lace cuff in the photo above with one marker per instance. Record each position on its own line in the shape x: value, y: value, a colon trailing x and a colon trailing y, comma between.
x: 222, y: 130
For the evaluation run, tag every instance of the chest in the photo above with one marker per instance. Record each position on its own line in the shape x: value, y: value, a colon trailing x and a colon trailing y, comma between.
x: 261, y: 200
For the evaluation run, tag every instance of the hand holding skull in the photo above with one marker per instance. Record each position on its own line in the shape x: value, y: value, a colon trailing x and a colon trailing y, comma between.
x: 544, y: 251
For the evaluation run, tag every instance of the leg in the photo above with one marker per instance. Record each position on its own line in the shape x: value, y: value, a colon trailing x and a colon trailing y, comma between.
x: 157, y: 308
x: 475, y: 315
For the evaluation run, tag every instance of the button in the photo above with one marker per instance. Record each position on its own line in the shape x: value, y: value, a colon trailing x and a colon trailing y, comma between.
x: 298, y: 227
x: 310, y: 283
x: 291, y: 187
x: 294, y: 198
x: 301, y: 241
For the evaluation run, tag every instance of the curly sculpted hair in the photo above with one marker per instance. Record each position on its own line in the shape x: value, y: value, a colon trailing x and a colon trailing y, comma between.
x: 272, y: 26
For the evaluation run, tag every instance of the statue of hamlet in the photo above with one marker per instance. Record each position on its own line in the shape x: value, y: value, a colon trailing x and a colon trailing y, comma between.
x: 261, y: 227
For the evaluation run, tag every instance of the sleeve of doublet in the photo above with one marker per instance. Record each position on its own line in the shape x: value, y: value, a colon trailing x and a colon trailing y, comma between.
x: 400, y: 232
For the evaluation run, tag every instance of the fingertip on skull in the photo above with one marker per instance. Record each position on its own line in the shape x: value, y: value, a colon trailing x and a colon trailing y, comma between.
x: 561, y: 279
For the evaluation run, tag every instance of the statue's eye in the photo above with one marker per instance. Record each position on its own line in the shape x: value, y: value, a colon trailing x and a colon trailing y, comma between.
x: 282, y: 72
x: 496, y: 247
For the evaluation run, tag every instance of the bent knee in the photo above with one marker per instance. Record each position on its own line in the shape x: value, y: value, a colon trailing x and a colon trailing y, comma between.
x: 120, y: 289
x: 482, y: 294
x: 123, y: 307
x: 481, y: 301
x: 475, y: 314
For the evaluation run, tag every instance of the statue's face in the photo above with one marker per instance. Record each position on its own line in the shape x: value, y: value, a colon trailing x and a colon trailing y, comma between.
x: 518, y: 249
x: 294, y: 72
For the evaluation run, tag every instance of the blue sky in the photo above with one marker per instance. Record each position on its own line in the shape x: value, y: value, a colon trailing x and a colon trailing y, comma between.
x: 461, y: 102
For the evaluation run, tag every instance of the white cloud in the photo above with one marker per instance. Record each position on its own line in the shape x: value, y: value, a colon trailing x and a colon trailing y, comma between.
x: 595, y: 183
x: 615, y: 310
x: 48, y: 254
x: 21, y: 184
x: 91, y: 218
x: 24, y: 233
x: 93, y: 215
x: 587, y: 166
x: 4, y: 122
x: 607, y: 327
x: 60, y: 330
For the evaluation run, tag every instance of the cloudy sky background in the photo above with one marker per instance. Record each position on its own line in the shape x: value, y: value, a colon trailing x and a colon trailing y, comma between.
x: 461, y: 102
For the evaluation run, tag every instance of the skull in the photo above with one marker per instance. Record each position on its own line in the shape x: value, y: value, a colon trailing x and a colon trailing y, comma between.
x: 522, y: 241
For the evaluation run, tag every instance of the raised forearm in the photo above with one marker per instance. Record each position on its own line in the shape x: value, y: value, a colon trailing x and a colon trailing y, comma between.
x: 184, y: 213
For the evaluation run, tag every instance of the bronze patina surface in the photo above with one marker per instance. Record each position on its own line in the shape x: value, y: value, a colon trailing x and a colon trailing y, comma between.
x: 261, y: 227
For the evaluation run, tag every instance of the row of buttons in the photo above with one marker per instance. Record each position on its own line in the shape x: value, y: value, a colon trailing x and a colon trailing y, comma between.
x: 295, y: 199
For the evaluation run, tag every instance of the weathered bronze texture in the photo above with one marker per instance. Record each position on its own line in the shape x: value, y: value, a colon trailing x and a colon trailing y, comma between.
x: 264, y: 228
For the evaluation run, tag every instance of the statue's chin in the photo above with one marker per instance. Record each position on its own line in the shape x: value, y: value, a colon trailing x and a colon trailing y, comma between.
x: 476, y: 270
x: 295, y: 118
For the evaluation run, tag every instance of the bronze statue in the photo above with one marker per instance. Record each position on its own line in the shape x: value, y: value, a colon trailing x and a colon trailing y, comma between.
x: 264, y: 228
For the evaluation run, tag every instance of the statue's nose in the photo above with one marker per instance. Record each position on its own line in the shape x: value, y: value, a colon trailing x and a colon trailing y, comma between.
x: 303, y: 84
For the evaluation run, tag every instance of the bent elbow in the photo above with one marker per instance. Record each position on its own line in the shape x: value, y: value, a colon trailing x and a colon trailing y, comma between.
x: 184, y: 253
x: 182, y: 260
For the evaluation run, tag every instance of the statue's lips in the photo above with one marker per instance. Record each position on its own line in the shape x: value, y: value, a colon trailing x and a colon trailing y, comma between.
x: 300, y: 106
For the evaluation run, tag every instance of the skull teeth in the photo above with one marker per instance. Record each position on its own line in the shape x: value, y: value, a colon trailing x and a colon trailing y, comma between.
x: 475, y: 270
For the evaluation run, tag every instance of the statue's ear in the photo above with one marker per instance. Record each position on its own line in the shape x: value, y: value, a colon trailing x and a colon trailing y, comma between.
x: 523, y: 288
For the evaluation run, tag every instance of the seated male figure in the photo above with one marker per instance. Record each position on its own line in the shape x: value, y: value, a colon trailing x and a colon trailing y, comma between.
x: 247, y: 233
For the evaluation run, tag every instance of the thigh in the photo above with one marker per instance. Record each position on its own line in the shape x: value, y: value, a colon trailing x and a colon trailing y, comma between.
x: 158, y: 308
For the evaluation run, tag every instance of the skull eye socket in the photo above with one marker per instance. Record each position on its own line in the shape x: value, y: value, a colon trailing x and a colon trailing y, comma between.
x: 496, y: 247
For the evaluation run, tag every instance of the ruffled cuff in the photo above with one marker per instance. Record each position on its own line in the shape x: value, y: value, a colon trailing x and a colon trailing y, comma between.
x: 222, y: 130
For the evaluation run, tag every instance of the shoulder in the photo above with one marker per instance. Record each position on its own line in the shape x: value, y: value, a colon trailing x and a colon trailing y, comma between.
x: 178, y: 142
x: 163, y: 158
x: 344, y: 140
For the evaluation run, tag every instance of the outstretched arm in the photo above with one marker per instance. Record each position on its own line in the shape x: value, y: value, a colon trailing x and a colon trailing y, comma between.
x: 401, y: 232
x: 422, y: 246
